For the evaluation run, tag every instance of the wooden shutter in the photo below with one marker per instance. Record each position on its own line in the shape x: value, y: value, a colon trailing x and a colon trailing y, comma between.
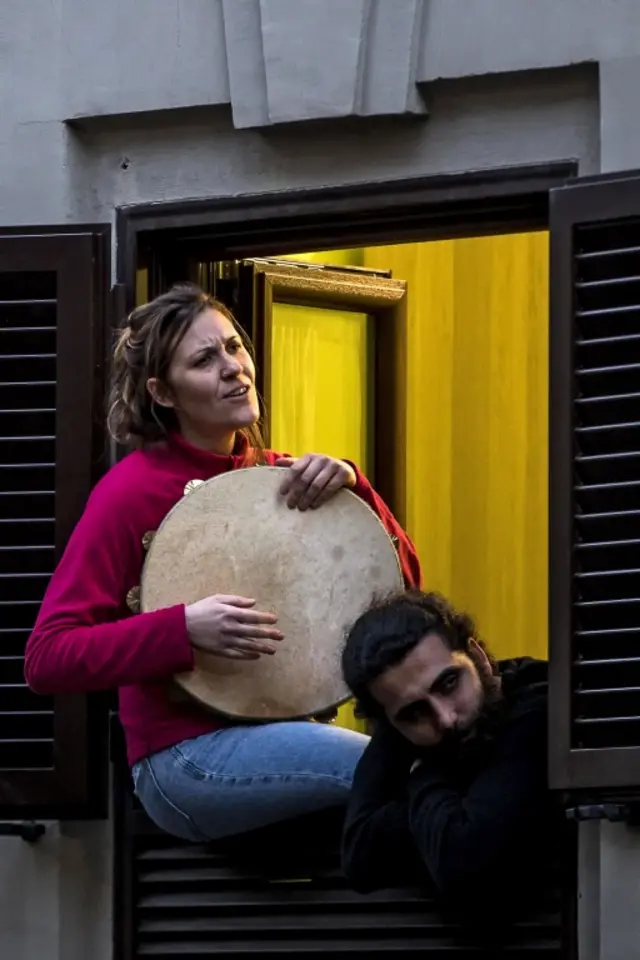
x: 52, y: 446
x: 595, y: 485
x: 281, y: 893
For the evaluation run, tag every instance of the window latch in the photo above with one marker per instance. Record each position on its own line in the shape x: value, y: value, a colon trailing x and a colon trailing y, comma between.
x: 27, y: 830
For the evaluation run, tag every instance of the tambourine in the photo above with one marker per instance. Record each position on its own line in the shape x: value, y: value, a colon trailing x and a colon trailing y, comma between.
x: 317, y: 570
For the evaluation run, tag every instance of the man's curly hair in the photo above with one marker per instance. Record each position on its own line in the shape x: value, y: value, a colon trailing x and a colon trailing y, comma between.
x: 384, y: 635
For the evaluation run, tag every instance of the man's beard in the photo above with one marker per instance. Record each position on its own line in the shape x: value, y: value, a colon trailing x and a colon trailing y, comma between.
x: 461, y: 740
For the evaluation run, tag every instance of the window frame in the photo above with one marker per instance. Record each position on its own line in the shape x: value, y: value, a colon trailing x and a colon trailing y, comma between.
x: 273, y: 223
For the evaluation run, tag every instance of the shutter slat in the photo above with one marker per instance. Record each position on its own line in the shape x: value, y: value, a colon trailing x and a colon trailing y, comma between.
x: 623, y: 661
x: 608, y: 379
x: 606, y: 254
x: 26, y: 302
x: 374, y: 916
x: 598, y: 286
x: 40, y: 393
x: 597, y: 496
x: 26, y: 725
x: 610, y: 467
x: 609, y: 438
x: 617, y: 408
x: 27, y: 504
x: 609, y: 351
x: 17, y: 423
x: 607, y: 525
x: 11, y: 669
x: 384, y: 949
x: 12, y: 642
x: 26, y: 450
x: 17, y: 698
x: 28, y: 341
x: 37, y: 558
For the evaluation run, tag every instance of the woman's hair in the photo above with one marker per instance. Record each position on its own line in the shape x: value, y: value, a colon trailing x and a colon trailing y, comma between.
x: 144, y: 348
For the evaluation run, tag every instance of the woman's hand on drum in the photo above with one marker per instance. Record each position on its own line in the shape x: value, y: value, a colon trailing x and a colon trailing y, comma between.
x: 230, y: 627
x: 313, y: 479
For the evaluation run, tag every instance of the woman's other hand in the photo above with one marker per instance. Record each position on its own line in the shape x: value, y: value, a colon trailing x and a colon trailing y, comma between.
x: 228, y: 626
x: 313, y: 479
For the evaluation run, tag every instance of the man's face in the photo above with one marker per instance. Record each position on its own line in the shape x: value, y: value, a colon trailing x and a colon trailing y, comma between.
x: 435, y: 695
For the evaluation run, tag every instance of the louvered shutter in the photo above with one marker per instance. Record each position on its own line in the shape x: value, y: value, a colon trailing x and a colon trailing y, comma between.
x: 595, y: 485
x: 280, y: 892
x: 52, y: 445
x: 290, y: 899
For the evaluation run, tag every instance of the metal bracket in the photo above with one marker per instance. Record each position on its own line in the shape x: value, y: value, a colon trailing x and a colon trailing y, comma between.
x: 28, y: 830
x: 613, y: 812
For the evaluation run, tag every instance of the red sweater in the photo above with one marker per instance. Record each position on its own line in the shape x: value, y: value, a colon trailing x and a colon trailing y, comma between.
x: 85, y: 638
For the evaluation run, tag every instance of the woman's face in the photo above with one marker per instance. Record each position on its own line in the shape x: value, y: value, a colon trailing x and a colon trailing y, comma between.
x: 211, y: 383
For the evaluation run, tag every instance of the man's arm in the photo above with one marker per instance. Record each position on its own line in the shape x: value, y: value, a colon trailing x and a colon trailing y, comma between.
x: 470, y: 841
x: 377, y: 848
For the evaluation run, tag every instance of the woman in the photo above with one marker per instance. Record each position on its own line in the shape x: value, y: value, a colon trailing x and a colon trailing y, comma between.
x: 184, y: 394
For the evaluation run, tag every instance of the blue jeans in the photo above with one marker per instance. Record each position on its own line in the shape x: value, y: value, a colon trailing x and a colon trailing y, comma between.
x: 245, y: 777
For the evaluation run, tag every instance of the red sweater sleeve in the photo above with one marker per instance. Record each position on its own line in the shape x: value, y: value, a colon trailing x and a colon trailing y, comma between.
x: 83, y: 639
x: 406, y: 551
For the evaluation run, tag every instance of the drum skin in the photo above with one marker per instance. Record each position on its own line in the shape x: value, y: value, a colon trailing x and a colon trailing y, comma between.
x: 317, y: 570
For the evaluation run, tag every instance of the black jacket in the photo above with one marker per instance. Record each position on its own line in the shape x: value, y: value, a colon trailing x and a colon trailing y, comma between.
x: 480, y: 825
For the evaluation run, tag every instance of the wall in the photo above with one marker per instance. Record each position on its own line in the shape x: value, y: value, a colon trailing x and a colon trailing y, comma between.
x: 152, y: 80
x: 55, y: 174
x: 55, y: 896
x: 504, y: 81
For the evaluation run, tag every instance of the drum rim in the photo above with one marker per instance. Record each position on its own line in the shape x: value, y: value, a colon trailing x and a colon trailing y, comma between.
x: 243, y: 718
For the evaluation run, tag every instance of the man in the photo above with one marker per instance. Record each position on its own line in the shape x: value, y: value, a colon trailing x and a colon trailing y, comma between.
x: 453, y: 783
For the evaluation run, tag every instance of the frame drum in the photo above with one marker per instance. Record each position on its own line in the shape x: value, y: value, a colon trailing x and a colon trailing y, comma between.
x: 316, y: 570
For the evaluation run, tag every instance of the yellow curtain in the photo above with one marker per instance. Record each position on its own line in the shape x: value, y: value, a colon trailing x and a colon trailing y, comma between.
x: 336, y: 258
x: 320, y: 390
x: 142, y: 287
x: 319, y: 382
x: 477, y: 436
